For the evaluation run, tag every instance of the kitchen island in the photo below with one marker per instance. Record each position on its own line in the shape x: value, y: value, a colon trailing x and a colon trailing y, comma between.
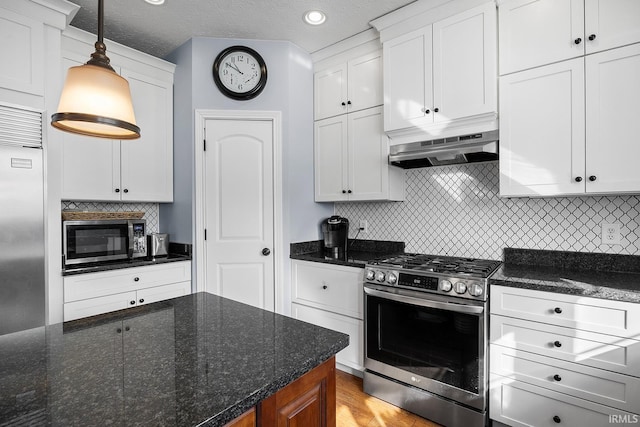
x: 194, y: 360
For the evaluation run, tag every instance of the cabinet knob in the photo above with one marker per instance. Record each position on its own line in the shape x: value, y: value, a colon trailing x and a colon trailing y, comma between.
x: 325, y: 287
x: 117, y: 190
x: 344, y: 191
x: 141, y: 300
x: 557, y: 377
x: 557, y: 310
x: 578, y: 40
x: 133, y: 302
x: 126, y: 190
x: 349, y: 191
x: 344, y: 104
x: 127, y: 328
x: 266, y: 251
x: 578, y: 179
x: 348, y: 102
x: 435, y: 110
x: 557, y: 344
x: 119, y: 330
x: 592, y: 37
x: 425, y: 110
x: 556, y: 419
x: 136, y: 279
x: 592, y: 178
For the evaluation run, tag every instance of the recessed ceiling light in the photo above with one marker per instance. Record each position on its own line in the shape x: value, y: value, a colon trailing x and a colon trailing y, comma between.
x: 155, y: 2
x: 314, y: 17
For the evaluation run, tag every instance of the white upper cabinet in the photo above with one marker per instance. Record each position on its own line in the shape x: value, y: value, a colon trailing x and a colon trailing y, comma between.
x: 349, y: 86
x: 351, y: 152
x: 132, y: 170
x: 441, y: 73
x: 539, y: 32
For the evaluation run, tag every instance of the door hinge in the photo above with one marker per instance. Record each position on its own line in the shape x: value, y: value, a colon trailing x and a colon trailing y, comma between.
x: 205, y: 234
x: 205, y: 145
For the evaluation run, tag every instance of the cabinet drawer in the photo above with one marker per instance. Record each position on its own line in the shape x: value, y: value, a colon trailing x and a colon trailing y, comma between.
x: 519, y: 404
x: 590, y: 314
x: 353, y: 354
x: 597, y: 385
x: 161, y: 293
x: 92, y: 285
x: 329, y: 287
x: 91, y: 307
x: 586, y: 348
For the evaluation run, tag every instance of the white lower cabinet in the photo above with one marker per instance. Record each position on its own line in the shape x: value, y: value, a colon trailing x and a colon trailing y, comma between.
x: 96, y: 293
x: 562, y: 359
x: 331, y: 296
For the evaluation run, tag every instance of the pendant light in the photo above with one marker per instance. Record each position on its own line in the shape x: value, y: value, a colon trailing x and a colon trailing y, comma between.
x: 95, y: 100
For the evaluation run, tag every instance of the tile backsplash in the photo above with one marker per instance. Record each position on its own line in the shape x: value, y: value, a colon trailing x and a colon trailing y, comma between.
x: 151, y: 210
x: 456, y: 210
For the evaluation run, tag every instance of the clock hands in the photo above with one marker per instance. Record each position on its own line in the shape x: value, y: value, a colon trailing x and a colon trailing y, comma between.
x: 234, y: 67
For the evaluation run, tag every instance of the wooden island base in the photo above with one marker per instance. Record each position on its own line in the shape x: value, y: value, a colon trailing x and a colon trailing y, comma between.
x: 309, y: 401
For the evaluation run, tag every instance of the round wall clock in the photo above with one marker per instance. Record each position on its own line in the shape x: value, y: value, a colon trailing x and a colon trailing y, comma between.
x: 240, y: 72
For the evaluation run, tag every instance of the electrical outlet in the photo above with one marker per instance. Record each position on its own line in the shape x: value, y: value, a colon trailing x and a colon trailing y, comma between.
x: 610, y: 234
x: 364, y: 226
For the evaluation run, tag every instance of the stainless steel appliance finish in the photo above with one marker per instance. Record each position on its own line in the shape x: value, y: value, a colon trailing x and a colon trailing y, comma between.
x: 426, y: 335
x: 86, y: 241
x: 22, y: 277
x: 476, y: 147
x: 158, y: 245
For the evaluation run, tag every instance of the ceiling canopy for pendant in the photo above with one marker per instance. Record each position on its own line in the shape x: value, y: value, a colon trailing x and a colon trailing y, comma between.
x: 95, y: 100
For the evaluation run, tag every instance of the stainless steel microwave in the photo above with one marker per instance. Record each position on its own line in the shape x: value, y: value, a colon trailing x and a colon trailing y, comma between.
x: 103, y: 240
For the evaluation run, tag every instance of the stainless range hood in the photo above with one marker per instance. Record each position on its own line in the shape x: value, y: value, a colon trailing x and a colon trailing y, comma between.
x: 476, y: 147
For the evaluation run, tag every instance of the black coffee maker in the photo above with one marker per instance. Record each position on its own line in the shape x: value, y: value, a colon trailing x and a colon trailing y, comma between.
x: 336, y: 231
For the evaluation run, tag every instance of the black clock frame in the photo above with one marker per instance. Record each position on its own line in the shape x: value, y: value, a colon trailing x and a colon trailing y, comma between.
x: 241, y: 96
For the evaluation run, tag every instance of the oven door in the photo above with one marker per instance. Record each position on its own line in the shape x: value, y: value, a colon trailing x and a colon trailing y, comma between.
x: 427, y: 341
x: 95, y: 241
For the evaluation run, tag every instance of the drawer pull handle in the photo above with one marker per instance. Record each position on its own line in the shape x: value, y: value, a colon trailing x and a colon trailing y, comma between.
x: 136, y: 279
x: 557, y: 377
x: 325, y: 287
x: 556, y: 419
x: 557, y: 310
x: 132, y: 302
x: 557, y: 344
x: 141, y: 300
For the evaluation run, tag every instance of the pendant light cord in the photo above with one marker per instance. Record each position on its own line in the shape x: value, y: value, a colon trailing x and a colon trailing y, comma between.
x: 99, y: 57
x: 100, y: 21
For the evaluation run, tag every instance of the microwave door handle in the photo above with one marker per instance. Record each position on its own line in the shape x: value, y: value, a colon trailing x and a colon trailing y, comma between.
x: 458, y: 308
x: 130, y: 239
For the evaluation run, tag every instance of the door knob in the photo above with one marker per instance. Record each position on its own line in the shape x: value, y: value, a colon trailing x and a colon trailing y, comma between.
x: 266, y: 251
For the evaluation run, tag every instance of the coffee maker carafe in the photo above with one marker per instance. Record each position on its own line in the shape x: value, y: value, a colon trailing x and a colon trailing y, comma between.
x: 336, y: 231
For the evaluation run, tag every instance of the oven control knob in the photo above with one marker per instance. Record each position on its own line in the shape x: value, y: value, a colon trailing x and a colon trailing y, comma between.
x: 461, y: 288
x: 392, y: 279
x: 371, y: 275
x: 445, y: 285
x: 380, y: 276
x: 475, y: 290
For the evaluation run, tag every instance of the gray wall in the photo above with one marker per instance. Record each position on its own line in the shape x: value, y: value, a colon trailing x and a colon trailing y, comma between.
x: 289, y: 89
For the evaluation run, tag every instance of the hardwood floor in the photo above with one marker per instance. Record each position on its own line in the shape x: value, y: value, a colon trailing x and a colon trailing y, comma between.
x: 355, y: 408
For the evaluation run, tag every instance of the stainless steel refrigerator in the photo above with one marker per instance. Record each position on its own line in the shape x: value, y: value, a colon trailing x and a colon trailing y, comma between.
x: 22, y: 276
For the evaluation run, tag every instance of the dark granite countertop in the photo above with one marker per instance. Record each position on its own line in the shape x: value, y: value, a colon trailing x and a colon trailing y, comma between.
x: 194, y: 360
x: 605, y: 276
x: 358, y: 254
x: 177, y: 252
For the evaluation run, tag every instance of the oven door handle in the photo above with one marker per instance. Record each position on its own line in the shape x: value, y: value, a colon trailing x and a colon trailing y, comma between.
x: 458, y: 308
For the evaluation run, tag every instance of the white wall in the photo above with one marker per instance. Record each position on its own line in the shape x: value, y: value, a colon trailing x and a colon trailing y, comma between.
x: 289, y: 89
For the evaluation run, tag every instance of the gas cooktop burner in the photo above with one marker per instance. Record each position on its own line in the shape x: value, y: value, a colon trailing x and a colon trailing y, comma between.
x: 440, y: 264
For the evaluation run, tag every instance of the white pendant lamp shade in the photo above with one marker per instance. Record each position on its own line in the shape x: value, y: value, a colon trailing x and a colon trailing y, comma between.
x: 96, y: 101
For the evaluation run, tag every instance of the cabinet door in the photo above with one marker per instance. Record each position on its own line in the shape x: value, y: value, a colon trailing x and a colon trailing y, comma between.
x: 539, y: 32
x: 613, y: 112
x: 542, y: 131
x: 365, y: 82
x: 368, y: 156
x: 464, y: 64
x: 353, y: 355
x: 330, y: 159
x: 330, y: 91
x: 92, y: 306
x: 408, y: 79
x: 147, y: 163
x: 90, y: 166
x: 611, y: 23
x: 22, y: 47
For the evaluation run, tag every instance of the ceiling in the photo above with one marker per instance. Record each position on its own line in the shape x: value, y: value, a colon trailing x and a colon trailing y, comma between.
x: 158, y: 30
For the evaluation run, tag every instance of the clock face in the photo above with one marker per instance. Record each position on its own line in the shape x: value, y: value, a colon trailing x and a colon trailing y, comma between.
x: 240, y: 72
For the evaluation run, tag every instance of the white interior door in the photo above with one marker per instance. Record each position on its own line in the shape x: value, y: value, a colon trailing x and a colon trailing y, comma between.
x: 238, y: 218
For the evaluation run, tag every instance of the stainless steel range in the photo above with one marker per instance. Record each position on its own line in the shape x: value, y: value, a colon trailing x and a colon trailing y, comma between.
x: 426, y: 335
